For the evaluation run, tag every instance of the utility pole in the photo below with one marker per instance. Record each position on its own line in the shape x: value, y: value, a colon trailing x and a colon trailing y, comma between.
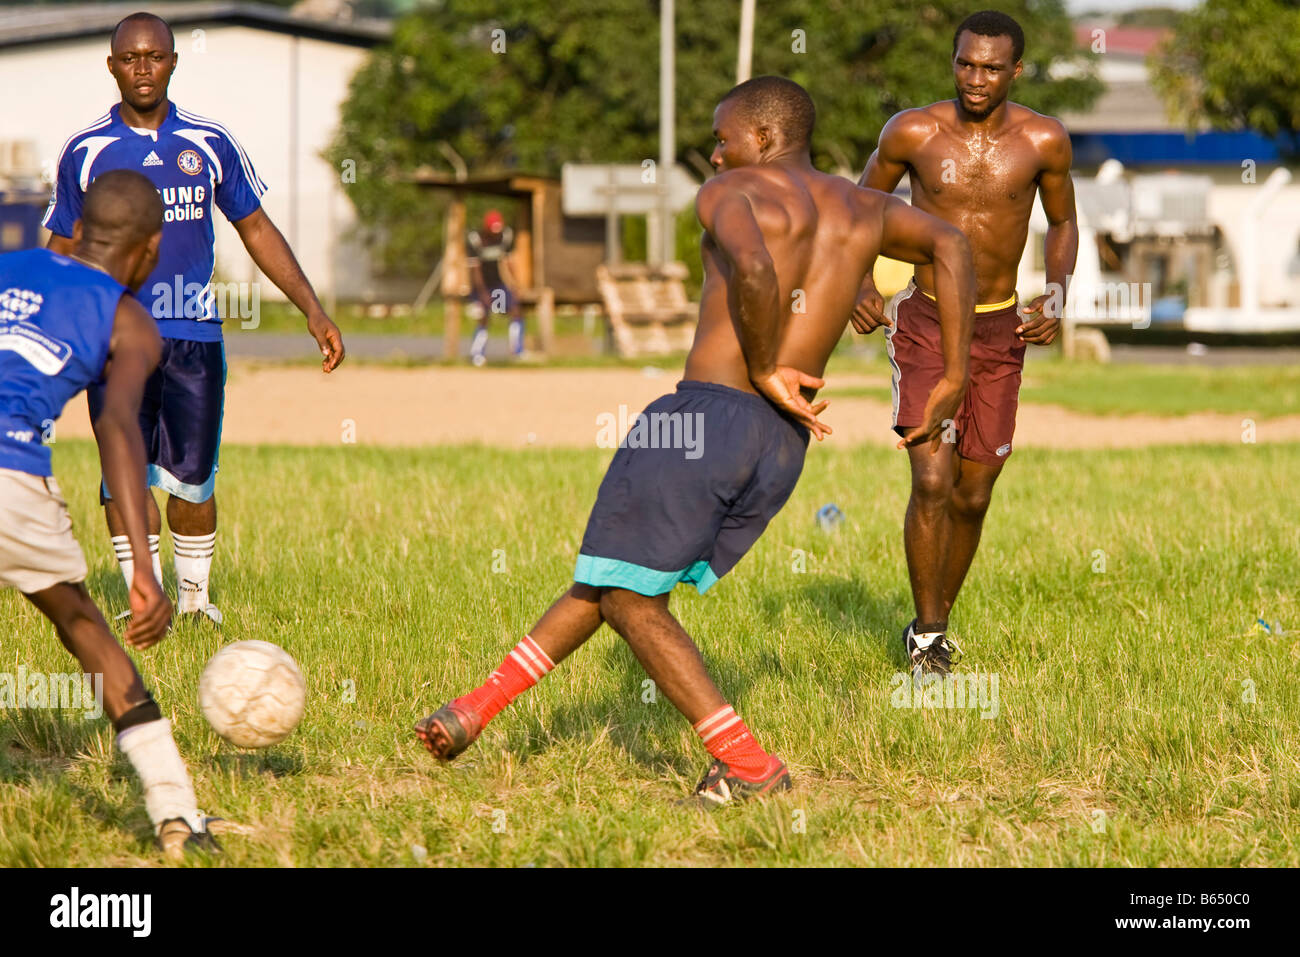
x: 667, y: 135
x: 745, y: 62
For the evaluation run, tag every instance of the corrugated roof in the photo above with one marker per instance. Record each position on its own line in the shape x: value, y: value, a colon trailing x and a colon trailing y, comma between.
x: 44, y: 23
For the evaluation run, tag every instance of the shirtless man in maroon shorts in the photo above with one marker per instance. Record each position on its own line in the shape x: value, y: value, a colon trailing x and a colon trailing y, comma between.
x: 976, y: 162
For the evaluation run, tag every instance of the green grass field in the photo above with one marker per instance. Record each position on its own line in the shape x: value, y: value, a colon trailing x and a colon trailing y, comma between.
x: 1142, y: 718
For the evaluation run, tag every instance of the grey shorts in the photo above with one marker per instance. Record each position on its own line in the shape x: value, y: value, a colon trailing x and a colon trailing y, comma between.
x: 37, y: 547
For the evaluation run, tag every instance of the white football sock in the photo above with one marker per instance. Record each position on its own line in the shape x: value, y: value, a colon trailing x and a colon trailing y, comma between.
x: 122, y: 549
x: 193, y: 566
x: 168, y: 790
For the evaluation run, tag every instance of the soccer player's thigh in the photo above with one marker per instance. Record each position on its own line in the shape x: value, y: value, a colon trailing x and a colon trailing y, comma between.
x: 993, y: 397
x: 916, y: 355
x: 654, y: 510
x: 150, y: 410
x: 37, y: 547
x: 189, y: 429
x: 779, y: 468
x: 660, y: 510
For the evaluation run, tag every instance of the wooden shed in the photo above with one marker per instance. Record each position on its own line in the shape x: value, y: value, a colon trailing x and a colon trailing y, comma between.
x: 552, y: 251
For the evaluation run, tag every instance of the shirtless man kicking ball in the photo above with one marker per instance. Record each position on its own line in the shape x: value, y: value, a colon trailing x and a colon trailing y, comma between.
x: 774, y: 228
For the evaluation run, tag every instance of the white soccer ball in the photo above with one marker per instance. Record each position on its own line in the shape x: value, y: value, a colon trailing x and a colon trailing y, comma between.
x: 252, y: 693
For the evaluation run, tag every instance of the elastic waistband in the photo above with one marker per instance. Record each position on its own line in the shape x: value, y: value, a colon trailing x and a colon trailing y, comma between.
x: 982, y: 307
x: 752, y: 399
x: 692, y: 385
x: 190, y: 330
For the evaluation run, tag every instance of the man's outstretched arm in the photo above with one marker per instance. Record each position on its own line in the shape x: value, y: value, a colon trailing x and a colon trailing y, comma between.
x: 267, y: 245
x: 134, y: 350
x: 726, y: 214
x: 912, y: 236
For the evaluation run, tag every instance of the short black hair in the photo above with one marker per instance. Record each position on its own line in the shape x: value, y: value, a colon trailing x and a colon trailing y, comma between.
x: 993, y: 23
x: 776, y: 102
x: 121, y: 205
x: 142, y: 17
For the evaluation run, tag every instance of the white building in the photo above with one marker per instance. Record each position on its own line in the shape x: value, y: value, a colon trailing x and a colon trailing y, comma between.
x: 1209, y: 217
x: 275, y: 79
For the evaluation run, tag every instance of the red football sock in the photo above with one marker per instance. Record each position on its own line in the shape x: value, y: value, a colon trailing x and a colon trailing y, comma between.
x: 526, y: 665
x: 728, y: 740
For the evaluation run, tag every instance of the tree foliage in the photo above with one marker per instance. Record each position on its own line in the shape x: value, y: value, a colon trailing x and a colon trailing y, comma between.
x: 1231, y: 64
x: 533, y: 84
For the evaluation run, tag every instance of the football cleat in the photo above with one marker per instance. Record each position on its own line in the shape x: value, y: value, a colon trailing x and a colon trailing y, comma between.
x: 176, y: 839
x: 449, y: 730
x: 930, y: 654
x: 210, y: 612
x: 720, y: 786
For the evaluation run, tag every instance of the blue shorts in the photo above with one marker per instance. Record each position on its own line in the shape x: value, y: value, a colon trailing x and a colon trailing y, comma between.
x: 180, y: 418
x: 691, y: 488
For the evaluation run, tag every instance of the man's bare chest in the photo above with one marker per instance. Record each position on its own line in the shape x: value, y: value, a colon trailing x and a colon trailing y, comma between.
x: 976, y: 173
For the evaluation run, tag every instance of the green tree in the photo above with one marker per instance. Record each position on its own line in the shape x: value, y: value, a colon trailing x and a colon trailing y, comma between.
x: 533, y: 84
x: 1231, y: 64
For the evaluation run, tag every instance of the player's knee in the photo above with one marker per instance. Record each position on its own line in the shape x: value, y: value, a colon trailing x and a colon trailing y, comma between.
x: 971, y: 502
x: 618, y: 605
x: 613, y: 601
x: 74, y: 613
x: 589, y: 593
x: 931, y: 486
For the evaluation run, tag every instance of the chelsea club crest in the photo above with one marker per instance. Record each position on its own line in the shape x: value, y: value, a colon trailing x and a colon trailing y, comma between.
x: 190, y: 162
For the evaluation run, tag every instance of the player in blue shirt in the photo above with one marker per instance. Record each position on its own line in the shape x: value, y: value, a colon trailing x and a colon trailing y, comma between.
x: 197, y: 167
x: 66, y: 323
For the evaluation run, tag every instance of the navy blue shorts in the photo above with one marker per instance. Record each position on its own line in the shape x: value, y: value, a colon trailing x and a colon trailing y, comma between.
x: 180, y: 417
x: 692, y: 486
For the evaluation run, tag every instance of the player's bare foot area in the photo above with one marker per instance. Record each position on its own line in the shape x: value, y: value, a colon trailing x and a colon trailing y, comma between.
x: 449, y: 730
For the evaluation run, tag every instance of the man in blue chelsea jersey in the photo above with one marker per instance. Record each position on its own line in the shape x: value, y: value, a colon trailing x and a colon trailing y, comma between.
x: 197, y: 166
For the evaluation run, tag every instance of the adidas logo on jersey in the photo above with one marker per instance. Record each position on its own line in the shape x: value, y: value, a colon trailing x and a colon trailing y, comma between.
x: 152, y: 160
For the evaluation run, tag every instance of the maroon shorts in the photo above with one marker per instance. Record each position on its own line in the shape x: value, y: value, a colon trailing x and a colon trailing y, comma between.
x: 986, y: 421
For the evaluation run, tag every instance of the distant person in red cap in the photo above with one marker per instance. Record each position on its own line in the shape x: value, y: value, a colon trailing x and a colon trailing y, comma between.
x: 491, y: 293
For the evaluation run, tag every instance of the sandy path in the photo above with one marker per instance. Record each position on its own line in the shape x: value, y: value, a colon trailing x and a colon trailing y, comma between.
x: 558, y: 407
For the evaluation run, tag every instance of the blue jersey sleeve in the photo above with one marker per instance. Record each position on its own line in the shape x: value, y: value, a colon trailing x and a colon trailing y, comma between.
x: 65, y: 200
x: 240, y: 190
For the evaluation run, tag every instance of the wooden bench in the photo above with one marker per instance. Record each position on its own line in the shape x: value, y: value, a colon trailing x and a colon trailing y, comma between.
x: 647, y: 307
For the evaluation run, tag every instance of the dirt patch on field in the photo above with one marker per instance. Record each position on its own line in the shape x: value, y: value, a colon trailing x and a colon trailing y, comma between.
x: 376, y: 405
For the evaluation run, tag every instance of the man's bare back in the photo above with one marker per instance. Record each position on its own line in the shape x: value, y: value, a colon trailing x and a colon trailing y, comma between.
x: 821, y: 233
x: 785, y: 250
x: 981, y: 178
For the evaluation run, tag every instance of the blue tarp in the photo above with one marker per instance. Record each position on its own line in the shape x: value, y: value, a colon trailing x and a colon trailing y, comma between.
x: 1215, y: 148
